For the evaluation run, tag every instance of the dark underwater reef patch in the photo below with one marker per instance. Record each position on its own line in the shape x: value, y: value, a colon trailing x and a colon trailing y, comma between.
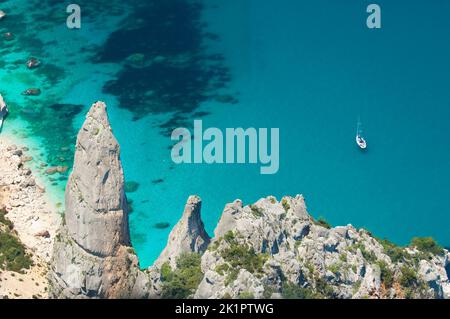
x: 47, y: 118
x: 54, y: 124
x: 162, y: 225
x: 131, y: 187
x: 166, y: 65
x: 169, y: 69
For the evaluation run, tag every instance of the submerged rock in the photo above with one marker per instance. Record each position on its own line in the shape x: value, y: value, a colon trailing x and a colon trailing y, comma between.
x: 27, y: 159
x: 8, y: 36
x: 33, y: 63
x: 131, y: 187
x: 56, y: 169
x: 157, y: 181
x: 226, y: 99
x: 136, y: 60
x: 32, y: 92
x: 162, y: 225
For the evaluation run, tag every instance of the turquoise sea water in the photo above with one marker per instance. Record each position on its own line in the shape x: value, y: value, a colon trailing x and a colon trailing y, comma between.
x: 309, y: 68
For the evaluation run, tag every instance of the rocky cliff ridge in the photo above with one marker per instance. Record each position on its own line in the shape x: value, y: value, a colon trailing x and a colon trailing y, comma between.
x: 276, y: 249
x: 272, y: 249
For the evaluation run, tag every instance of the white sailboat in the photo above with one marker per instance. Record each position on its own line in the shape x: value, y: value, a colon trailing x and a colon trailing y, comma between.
x: 360, y: 141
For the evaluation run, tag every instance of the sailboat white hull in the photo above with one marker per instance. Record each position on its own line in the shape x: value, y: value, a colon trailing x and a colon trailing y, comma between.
x: 361, y: 142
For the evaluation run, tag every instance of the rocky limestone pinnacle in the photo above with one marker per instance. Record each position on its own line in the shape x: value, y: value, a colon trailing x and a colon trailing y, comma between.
x: 96, y: 208
x: 92, y: 257
x: 187, y: 236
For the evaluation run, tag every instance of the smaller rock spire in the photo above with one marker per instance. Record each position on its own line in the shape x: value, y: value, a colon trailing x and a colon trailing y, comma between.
x: 188, y: 235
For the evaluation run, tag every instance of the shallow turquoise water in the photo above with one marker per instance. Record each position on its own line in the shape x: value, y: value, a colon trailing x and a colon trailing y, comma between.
x: 308, y: 67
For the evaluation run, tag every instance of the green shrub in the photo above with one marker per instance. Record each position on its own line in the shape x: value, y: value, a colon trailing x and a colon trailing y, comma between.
x: 246, y: 295
x: 387, y: 277
x: 290, y: 290
x: 13, y: 256
x: 356, y: 286
x: 229, y: 236
x: 257, y: 212
x: 369, y: 256
x: 231, y: 276
x: 214, y: 245
x: 354, y: 269
x: 181, y: 282
x: 408, y: 277
x: 325, y: 289
x: 335, y: 268
x: 322, y: 222
x: 310, y: 268
x: 222, y: 269
x: 285, y: 204
x: 427, y: 245
x: 239, y: 256
x: 268, y: 291
x: 227, y: 296
x: 396, y: 253
x: 243, y: 256
x: 166, y: 272
x: 5, y: 221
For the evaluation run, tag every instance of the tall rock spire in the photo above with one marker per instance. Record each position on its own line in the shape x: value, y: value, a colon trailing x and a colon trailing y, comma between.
x: 92, y: 256
x: 96, y: 208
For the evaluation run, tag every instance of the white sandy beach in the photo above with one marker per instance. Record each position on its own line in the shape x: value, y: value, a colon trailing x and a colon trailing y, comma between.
x: 35, y: 220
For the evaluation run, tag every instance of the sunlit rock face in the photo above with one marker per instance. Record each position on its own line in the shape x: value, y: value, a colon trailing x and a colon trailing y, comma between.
x: 92, y: 254
x: 275, y: 249
x: 96, y: 209
x: 188, y: 236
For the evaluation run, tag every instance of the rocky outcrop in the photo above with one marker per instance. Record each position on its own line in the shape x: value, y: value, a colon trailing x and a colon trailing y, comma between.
x: 187, y: 236
x: 2, y: 105
x: 3, y: 111
x: 92, y: 253
x: 96, y: 208
x: 275, y: 249
x: 26, y: 201
x: 272, y: 249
